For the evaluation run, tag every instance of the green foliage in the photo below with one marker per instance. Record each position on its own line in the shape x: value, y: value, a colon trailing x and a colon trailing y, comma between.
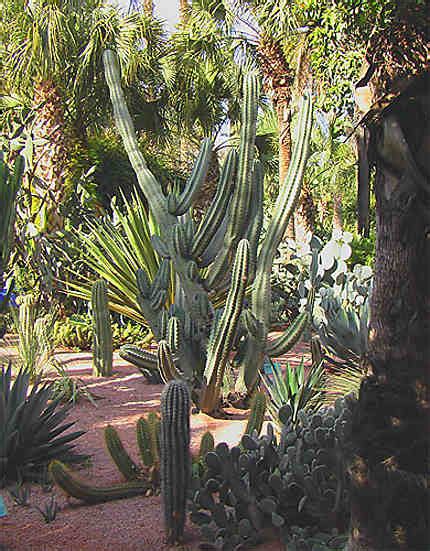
x: 115, y: 250
x: 76, y: 332
x: 264, y: 485
x: 102, y: 330
x: 31, y: 427
x: 175, y: 457
x: 50, y: 510
x: 300, y: 388
x: 69, y: 389
x: 35, y: 332
x: 20, y: 493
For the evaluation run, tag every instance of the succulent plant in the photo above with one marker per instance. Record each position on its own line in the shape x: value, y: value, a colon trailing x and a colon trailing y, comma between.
x: 144, y: 360
x: 265, y: 484
x: 31, y: 428
x: 257, y: 413
x: 175, y: 456
x: 197, y: 334
x: 126, y: 466
x: 82, y: 491
x: 102, y: 341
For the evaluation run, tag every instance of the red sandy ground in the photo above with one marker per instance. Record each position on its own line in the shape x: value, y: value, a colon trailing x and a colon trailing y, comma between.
x: 123, y: 525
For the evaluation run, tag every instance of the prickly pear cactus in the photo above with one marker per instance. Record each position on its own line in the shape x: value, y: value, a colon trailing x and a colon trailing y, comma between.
x: 265, y: 484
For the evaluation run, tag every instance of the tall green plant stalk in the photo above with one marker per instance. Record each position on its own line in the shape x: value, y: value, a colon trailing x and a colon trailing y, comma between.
x: 201, y: 256
x: 102, y: 343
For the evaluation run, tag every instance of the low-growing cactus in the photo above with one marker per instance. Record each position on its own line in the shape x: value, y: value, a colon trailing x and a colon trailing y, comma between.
x: 264, y: 483
x: 126, y: 466
x: 94, y: 494
x: 175, y: 456
x: 102, y: 341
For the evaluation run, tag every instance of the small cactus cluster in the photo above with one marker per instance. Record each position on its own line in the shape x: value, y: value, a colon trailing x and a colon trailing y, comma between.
x: 102, y: 330
x: 265, y: 484
x: 199, y: 331
x: 140, y: 480
x: 175, y: 456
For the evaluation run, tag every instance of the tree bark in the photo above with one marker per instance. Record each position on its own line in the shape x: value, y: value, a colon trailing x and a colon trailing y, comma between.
x: 183, y: 11
x: 337, y: 223
x: 148, y: 7
x: 389, y: 454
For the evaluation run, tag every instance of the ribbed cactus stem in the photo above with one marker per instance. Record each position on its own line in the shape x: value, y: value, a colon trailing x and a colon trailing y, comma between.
x: 207, y: 444
x: 126, y: 466
x: 102, y: 339
x: 149, y: 185
x: 261, y: 294
x: 175, y: 456
x: 93, y: 494
x: 226, y: 330
x: 257, y: 413
x: 147, y: 434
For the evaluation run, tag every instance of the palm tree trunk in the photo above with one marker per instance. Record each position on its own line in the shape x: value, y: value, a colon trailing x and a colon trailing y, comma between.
x: 52, y: 155
x: 148, y: 7
x: 183, y: 11
x: 337, y: 223
x: 389, y: 466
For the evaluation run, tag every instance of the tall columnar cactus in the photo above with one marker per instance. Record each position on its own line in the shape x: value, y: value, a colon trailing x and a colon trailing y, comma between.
x: 102, y: 343
x: 175, y: 456
x: 257, y: 413
x: 198, y: 343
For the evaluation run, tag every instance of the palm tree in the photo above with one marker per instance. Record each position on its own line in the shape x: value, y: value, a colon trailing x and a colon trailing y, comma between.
x: 53, y: 54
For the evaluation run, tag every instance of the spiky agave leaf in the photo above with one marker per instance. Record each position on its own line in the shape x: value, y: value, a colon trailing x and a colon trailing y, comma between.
x: 31, y: 428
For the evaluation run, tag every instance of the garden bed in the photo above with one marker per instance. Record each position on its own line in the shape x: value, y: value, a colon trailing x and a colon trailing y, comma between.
x: 129, y: 524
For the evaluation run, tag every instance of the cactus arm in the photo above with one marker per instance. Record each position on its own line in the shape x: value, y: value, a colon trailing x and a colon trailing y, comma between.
x: 93, y: 494
x: 143, y: 437
x: 146, y: 179
x: 102, y: 344
x: 261, y: 294
x: 180, y: 205
x: 289, y: 337
x: 257, y: 413
x: 216, y: 212
x: 241, y: 197
x: 226, y: 330
x: 166, y: 366
x: 175, y: 456
x: 126, y: 466
x: 255, y: 218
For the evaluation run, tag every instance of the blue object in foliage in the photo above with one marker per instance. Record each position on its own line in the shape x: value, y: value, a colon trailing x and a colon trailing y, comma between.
x: 12, y: 297
x: 3, y: 510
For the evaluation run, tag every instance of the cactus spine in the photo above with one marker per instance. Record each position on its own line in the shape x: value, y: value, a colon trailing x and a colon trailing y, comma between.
x: 175, y: 456
x: 102, y: 342
x: 93, y: 494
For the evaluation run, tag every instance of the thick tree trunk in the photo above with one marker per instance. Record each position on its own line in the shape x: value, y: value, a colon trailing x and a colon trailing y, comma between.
x: 389, y: 465
x: 148, y: 7
x: 284, y: 123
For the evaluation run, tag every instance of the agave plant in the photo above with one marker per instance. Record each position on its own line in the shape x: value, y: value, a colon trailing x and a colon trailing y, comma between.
x: 31, y: 428
x: 114, y: 250
x: 299, y: 387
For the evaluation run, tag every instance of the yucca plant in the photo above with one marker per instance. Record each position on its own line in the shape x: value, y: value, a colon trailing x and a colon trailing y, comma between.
x: 31, y: 428
x: 114, y: 250
x: 299, y: 387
